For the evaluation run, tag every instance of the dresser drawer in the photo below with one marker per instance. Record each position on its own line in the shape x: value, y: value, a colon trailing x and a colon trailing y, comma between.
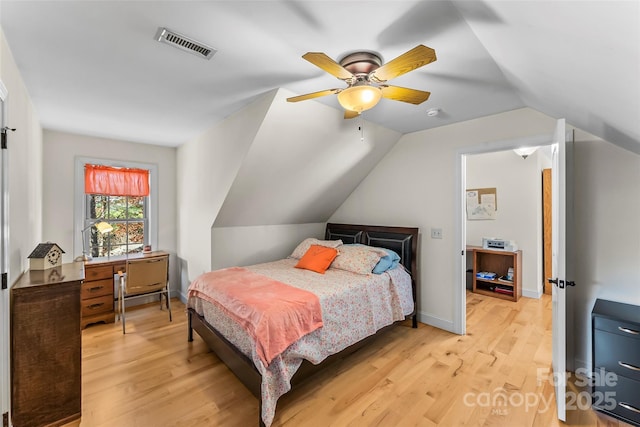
x: 619, y: 327
x: 97, y: 305
x: 625, y: 393
x: 618, y: 354
x: 119, y: 267
x: 96, y: 288
x: 97, y: 273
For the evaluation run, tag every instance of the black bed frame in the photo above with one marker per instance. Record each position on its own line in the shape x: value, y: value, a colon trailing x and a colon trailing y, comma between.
x: 402, y: 240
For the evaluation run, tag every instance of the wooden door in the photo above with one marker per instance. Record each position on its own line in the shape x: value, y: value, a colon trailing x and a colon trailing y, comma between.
x: 546, y: 230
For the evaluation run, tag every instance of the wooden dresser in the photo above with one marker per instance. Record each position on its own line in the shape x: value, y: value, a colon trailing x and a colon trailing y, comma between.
x: 97, y: 296
x: 616, y: 359
x: 46, y: 347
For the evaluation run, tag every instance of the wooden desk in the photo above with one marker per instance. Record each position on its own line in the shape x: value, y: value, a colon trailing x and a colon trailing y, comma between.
x: 46, y: 347
x: 97, y: 293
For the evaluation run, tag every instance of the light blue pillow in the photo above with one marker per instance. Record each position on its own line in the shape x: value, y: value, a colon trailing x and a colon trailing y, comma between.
x: 387, y: 262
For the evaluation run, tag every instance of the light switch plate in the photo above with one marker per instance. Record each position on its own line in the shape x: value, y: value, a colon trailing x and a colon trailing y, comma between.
x: 436, y: 233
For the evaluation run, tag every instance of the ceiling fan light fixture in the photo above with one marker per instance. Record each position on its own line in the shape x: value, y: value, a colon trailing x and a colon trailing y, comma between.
x: 359, y: 98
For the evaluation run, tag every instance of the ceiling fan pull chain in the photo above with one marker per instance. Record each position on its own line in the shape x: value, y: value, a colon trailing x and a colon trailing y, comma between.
x: 361, y: 129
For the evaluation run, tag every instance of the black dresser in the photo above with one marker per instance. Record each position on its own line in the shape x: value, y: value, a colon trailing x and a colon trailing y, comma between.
x: 616, y: 359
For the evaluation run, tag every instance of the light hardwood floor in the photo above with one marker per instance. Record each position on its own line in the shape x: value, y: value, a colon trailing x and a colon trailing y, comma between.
x: 493, y: 376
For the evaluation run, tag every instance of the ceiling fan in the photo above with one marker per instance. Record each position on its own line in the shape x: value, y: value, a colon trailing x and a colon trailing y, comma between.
x: 366, y: 78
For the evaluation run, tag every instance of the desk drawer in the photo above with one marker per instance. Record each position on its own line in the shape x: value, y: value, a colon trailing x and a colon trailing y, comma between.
x: 119, y: 267
x: 97, y: 273
x: 97, y: 288
x: 97, y: 305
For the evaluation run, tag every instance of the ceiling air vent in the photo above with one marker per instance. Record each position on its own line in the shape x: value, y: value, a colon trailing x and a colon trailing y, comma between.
x: 172, y: 38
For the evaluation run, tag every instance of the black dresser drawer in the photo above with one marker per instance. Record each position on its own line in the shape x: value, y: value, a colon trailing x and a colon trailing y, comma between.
x: 618, y: 354
x: 615, y: 333
x: 620, y: 397
x: 619, y: 327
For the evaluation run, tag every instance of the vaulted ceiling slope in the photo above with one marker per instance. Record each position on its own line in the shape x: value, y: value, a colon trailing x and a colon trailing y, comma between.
x: 94, y: 67
x: 303, y: 175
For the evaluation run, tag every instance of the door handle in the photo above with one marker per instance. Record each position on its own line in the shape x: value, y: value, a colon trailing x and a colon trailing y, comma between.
x: 561, y: 283
x: 557, y: 282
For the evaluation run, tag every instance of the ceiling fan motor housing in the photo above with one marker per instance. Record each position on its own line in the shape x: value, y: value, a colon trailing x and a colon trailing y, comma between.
x: 361, y: 63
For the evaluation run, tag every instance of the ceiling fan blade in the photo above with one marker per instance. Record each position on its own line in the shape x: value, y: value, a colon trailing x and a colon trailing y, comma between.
x: 321, y: 60
x: 412, y: 96
x: 408, y: 61
x: 348, y: 114
x: 313, y: 95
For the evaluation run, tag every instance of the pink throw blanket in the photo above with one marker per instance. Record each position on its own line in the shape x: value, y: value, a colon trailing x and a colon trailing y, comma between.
x: 273, y: 313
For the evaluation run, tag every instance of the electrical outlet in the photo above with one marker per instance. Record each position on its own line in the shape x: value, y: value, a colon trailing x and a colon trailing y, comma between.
x: 436, y: 233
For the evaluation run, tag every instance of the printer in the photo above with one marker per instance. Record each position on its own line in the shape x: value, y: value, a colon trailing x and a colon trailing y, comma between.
x: 499, y: 244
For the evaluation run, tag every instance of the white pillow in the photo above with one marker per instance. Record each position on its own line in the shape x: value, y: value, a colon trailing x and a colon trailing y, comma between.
x: 357, y: 258
x: 304, y: 246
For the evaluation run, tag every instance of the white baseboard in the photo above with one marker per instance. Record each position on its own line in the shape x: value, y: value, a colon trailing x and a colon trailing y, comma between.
x: 581, y: 365
x: 182, y: 296
x: 532, y: 294
x: 428, y: 319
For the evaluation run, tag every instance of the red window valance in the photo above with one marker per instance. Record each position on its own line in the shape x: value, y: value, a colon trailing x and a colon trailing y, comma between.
x: 112, y: 181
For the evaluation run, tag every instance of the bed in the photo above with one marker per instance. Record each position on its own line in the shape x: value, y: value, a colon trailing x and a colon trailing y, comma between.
x: 268, y: 379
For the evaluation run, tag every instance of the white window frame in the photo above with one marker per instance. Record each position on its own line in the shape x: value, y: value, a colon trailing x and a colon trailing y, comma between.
x: 79, y: 196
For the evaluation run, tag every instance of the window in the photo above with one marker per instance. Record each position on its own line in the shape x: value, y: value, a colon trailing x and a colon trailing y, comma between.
x: 122, y: 194
x: 128, y: 217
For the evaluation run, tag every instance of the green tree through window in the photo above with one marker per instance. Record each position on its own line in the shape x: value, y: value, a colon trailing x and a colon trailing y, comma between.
x: 127, y: 215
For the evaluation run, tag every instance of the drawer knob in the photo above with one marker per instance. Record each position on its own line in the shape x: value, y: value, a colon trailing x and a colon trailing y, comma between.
x: 629, y: 407
x: 628, y: 366
x: 629, y: 331
x: 95, y: 288
x: 94, y: 306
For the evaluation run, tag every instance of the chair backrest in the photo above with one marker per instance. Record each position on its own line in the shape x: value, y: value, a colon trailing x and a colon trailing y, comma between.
x: 146, y: 275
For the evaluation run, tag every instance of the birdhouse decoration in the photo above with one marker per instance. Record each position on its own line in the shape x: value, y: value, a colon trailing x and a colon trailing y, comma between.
x: 45, y: 255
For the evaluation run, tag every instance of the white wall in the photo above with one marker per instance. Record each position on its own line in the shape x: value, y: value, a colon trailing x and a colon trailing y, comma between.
x: 256, y: 244
x: 518, y: 186
x: 414, y: 185
x: 417, y: 182
x: 206, y: 169
x: 25, y: 166
x: 60, y: 152
x: 607, y: 233
x: 24, y: 155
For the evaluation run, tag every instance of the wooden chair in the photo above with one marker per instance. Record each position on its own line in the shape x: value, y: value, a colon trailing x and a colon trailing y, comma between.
x: 144, y: 277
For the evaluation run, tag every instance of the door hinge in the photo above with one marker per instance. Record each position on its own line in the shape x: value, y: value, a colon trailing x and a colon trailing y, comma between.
x: 4, y: 281
x: 5, y: 419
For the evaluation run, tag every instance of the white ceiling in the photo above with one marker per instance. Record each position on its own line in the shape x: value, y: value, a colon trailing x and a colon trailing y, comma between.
x: 93, y: 67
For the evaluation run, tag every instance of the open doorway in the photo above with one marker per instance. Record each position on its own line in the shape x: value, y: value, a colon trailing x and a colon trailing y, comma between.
x: 496, y: 165
x: 512, y: 184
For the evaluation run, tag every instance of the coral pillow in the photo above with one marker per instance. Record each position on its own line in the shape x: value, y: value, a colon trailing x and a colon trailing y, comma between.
x: 317, y: 258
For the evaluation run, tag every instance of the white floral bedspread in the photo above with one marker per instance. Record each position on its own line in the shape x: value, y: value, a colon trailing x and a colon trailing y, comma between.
x: 354, y: 306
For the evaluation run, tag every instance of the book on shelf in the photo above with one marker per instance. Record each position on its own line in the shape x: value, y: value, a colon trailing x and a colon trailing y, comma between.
x: 486, y: 275
x: 504, y: 291
x: 505, y: 279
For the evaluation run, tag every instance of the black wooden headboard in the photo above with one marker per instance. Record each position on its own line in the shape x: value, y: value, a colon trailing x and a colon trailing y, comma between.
x: 402, y: 240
